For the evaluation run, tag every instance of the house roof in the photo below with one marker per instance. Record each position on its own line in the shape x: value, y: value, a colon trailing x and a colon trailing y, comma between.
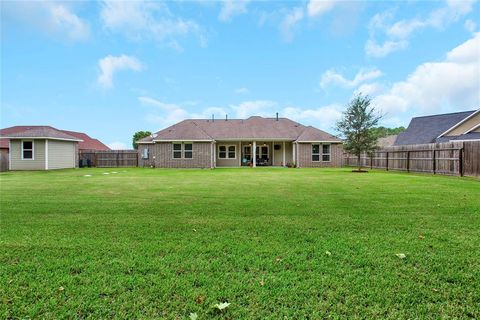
x: 88, y: 142
x: 467, y: 136
x: 426, y: 129
x: 85, y: 141
x: 242, y: 129
x: 387, y: 141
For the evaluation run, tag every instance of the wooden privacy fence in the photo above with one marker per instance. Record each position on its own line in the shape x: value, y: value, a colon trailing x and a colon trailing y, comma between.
x: 450, y: 158
x: 110, y: 158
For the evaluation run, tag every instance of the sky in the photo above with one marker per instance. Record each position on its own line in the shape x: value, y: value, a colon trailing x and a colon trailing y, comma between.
x: 110, y: 69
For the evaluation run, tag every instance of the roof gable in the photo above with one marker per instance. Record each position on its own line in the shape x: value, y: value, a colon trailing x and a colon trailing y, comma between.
x: 38, y: 132
x: 426, y: 129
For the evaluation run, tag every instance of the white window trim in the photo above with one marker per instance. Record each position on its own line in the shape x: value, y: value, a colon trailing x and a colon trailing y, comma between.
x: 227, y: 156
x: 33, y: 149
x: 329, y: 154
x: 320, y: 152
x: 182, y: 150
x: 260, y: 149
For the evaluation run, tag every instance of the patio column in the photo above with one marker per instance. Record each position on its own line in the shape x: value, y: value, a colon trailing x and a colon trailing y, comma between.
x: 293, y: 154
x: 239, y: 154
x: 283, y: 154
x: 254, y: 152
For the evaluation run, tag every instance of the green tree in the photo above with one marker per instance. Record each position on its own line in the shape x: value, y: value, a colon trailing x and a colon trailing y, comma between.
x: 356, y: 127
x: 139, y: 135
x: 381, y: 132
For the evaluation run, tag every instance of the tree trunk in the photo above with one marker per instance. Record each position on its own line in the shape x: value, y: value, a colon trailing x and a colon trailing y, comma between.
x: 359, y: 163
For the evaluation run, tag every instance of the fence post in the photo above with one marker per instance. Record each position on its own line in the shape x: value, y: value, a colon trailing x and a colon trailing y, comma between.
x: 408, y: 161
x: 434, y: 164
x: 460, y: 162
x: 387, y: 162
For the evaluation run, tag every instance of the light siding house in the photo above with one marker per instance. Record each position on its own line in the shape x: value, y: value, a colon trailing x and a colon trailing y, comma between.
x: 41, y: 148
x: 256, y: 141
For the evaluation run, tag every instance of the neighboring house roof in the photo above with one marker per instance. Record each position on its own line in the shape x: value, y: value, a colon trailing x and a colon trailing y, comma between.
x: 426, y: 129
x: 467, y: 136
x: 387, y: 141
x: 88, y: 142
x: 41, y: 132
x: 240, y: 129
x: 85, y: 141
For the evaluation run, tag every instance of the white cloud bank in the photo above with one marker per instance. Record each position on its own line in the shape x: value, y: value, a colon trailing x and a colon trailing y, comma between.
x: 451, y: 84
x: 139, y: 20
x: 111, y: 64
x: 397, y: 34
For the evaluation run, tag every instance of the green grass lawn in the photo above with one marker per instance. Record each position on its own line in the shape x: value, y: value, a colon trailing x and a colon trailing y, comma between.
x: 274, y: 243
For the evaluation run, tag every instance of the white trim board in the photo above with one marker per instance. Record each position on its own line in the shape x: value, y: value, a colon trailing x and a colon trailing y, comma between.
x: 459, y: 123
x: 471, y: 129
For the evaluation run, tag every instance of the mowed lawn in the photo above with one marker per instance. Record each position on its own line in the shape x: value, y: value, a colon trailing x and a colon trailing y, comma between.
x: 274, y: 243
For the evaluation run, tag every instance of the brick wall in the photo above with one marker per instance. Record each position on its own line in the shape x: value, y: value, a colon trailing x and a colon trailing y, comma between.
x: 305, y: 156
x: 163, y: 153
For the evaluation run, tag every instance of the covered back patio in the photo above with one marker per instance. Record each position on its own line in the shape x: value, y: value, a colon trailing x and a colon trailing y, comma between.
x: 254, y: 153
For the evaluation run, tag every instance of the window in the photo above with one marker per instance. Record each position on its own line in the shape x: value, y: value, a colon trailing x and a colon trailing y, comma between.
x: 182, y: 150
x: 315, y: 152
x: 177, y: 151
x: 262, y: 152
x: 188, y: 151
x: 27, y: 150
x: 326, y: 152
x: 145, y: 154
x: 227, y: 152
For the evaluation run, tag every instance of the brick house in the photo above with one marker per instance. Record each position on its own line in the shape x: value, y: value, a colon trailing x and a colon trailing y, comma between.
x: 256, y: 141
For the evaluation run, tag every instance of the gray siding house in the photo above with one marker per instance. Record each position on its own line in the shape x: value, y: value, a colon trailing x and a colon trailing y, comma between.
x: 256, y: 141
x: 41, y: 148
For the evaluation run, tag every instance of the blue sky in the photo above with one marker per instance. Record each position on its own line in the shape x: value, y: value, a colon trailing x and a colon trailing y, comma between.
x: 112, y: 68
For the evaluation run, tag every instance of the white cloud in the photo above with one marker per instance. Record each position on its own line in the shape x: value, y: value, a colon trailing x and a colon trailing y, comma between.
x: 231, y: 8
x: 140, y: 20
x: 166, y: 114
x: 369, y: 89
x: 397, y: 34
x: 470, y: 26
x: 111, y: 64
x: 373, y: 49
x: 333, y: 77
x: 434, y: 86
x: 54, y: 18
x: 251, y: 108
x: 290, y: 21
x: 323, y: 117
x: 242, y: 90
x: 319, y: 7
x: 117, y: 145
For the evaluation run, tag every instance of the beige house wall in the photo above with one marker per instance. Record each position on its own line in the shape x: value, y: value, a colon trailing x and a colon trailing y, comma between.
x: 16, y: 161
x: 305, y: 156
x: 161, y: 156
x: 461, y: 129
x: 228, y: 162
x: 61, y: 154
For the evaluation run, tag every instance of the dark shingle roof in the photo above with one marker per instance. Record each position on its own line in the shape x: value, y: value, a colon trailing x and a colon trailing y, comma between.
x: 427, y: 129
x: 252, y: 128
x: 468, y: 136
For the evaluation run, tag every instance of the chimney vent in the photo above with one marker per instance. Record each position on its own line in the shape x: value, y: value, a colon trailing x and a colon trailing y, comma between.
x: 276, y: 118
x: 213, y: 117
x: 226, y: 117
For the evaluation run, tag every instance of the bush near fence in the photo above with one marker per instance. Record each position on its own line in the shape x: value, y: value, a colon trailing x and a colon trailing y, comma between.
x: 110, y: 158
x: 450, y: 158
